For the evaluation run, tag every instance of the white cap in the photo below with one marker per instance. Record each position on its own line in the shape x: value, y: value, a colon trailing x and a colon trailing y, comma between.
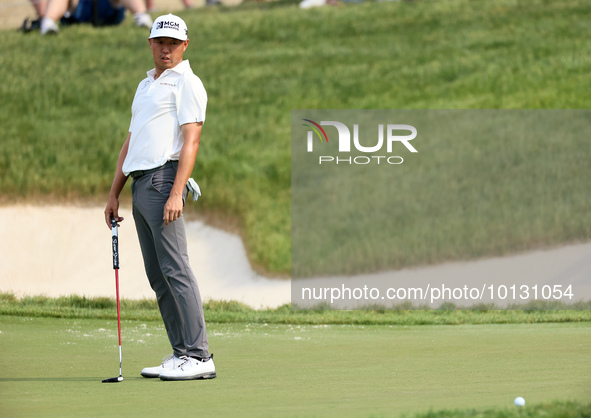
x: 169, y: 26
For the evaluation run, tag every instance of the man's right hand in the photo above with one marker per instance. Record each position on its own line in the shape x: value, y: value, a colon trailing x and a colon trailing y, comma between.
x: 111, y: 211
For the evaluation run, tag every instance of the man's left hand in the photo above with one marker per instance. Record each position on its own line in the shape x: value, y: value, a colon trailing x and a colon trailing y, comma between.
x: 173, y: 208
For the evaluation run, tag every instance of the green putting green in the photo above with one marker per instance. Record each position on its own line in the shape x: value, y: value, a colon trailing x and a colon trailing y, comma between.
x: 54, y: 367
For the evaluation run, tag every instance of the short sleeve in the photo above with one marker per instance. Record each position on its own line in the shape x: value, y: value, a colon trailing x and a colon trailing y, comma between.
x: 133, y: 103
x: 191, y: 100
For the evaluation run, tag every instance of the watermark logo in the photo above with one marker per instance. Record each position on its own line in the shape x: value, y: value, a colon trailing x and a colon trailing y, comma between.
x: 316, y: 128
x: 388, y: 134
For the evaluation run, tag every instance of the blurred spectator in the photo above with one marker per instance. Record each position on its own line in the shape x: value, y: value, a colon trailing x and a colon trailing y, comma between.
x: 40, y: 6
x: 97, y: 12
x: 307, y: 4
x: 187, y: 3
x: 150, y: 5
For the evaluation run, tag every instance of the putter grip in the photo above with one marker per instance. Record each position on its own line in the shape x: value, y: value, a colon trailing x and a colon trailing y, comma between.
x: 115, y: 244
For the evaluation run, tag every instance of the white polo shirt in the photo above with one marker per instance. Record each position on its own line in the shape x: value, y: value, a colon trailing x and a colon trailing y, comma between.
x: 159, y: 109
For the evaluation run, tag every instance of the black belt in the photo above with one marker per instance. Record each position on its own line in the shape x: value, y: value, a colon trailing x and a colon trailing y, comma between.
x: 140, y: 173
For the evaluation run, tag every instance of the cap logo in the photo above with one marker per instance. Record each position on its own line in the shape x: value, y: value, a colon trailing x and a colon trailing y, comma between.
x: 164, y: 24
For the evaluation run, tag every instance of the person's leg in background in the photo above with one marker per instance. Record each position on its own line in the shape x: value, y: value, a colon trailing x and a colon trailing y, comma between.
x: 56, y: 9
x: 139, y: 11
x: 40, y: 7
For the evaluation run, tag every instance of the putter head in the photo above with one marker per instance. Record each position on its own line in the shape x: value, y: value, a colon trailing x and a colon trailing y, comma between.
x: 113, y: 379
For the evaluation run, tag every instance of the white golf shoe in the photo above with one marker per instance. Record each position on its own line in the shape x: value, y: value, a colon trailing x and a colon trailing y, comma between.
x: 168, y: 363
x: 48, y: 27
x: 190, y: 368
x: 307, y: 4
x: 143, y: 20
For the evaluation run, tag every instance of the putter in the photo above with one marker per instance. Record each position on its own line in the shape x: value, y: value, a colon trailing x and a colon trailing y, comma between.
x: 116, y: 268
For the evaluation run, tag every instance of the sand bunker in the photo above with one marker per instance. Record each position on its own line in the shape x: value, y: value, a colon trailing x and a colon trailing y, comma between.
x: 59, y: 250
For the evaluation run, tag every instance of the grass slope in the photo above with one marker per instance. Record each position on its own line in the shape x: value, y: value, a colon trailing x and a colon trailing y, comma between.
x: 65, y: 101
x: 54, y: 367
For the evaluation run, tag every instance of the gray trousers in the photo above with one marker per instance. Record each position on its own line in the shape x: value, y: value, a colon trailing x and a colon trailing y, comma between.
x: 164, y: 249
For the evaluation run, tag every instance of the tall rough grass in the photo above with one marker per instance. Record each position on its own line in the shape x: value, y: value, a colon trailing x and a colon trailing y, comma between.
x: 230, y: 311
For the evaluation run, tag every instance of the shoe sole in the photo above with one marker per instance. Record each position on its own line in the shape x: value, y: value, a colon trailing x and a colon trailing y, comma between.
x: 198, y: 377
x: 150, y: 376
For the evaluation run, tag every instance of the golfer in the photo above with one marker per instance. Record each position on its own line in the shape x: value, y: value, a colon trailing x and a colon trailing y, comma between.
x: 168, y: 112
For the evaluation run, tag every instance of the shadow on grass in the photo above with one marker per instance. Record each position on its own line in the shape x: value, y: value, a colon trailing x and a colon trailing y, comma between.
x: 50, y: 379
x: 62, y: 379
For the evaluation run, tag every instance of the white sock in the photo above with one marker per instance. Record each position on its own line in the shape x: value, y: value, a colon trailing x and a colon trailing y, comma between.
x: 142, y: 19
x: 48, y: 26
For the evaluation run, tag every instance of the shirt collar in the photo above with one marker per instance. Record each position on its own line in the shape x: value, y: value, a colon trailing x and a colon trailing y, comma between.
x: 179, y: 69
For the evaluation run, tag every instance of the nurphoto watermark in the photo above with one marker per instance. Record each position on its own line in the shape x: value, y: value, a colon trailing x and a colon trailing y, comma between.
x: 431, y: 208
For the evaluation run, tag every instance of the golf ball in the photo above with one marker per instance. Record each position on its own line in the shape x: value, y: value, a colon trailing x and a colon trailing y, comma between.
x: 519, y: 401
